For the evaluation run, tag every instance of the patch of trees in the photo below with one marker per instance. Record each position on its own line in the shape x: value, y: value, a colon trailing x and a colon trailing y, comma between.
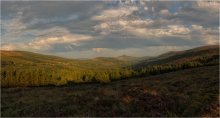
x: 163, y: 68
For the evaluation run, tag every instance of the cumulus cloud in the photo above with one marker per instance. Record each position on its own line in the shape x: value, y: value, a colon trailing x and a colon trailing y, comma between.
x: 48, y: 38
x: 165, y: 13
x: 49, y: 41
x: 208, y: 5
x: 115, y: 13
x: 176, y: 25
x: 170, y: 30
x: 121, y: 24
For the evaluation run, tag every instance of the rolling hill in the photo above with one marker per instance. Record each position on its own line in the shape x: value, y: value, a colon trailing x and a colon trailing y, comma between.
x: 21, y: 68
x: 209, y: 53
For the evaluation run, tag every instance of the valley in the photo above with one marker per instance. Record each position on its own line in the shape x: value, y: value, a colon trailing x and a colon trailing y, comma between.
x: 184, y: 83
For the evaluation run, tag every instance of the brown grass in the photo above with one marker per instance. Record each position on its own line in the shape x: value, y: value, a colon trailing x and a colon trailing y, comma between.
x: 192, y: 92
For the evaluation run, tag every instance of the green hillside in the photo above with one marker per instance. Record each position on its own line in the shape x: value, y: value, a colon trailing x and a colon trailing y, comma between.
x: 19, y: 68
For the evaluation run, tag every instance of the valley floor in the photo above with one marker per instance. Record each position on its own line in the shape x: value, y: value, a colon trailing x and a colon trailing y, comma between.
x: 191, y: 92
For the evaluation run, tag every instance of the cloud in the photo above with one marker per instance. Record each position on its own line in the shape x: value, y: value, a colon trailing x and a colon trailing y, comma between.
x: 170, y: 30
x: 208, y: 5
x: 16, y: 46
x: 174, y: 25
x: 13, y: 27
x: 115, y: 13
x: 49, y: 38
x: 8, y: 47
x: 165, y: 13
x: 48, y: 41
x: 39, y: 15
x: 207, y: 16
x: 98, y: 49
x: 95, y: 28
x: 118, y: 25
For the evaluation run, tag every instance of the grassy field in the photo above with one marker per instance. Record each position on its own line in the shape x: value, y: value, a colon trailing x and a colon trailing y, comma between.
x: 190, y: 92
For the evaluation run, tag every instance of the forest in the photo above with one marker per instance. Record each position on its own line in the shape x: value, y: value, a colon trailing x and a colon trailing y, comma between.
x: 32, y: 69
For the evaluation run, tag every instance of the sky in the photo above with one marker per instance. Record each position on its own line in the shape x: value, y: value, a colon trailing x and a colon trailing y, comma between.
x: 88, y: 29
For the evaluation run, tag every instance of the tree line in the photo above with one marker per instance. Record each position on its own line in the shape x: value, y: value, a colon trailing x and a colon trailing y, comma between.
x: 12, y: 76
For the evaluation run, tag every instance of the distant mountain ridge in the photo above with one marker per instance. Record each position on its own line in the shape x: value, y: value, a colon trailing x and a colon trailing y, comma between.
x: 201, y: 51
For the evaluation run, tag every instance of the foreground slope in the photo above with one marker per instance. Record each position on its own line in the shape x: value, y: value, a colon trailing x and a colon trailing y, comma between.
x: 191, y: 92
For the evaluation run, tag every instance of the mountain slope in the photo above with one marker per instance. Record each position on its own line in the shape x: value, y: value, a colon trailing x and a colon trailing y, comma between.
x: 127, y: 58
x: 178, y: 57
x: 20, y: 68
